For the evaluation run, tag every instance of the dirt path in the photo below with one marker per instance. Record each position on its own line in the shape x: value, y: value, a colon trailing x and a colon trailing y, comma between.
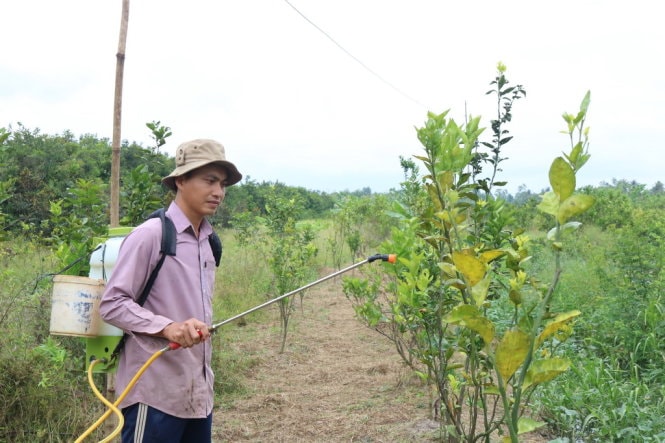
x: 337, y: 381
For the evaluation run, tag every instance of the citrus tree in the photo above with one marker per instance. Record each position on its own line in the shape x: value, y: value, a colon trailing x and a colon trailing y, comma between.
x: 461, y: 306
x: 291, y: 252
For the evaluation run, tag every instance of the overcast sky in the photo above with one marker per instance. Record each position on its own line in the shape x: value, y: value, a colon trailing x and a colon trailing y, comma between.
x: 332, y: 103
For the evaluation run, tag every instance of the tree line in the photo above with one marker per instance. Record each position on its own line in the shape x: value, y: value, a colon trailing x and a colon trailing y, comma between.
x: 38, y: 169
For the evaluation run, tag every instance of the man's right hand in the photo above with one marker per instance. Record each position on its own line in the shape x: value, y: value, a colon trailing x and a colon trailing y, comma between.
x: 187, y: 334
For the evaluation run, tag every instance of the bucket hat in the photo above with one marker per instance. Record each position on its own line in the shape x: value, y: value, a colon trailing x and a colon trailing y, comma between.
x: 197, y: 153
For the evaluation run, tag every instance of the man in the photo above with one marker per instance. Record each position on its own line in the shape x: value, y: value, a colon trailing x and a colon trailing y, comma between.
x: 173, y: 399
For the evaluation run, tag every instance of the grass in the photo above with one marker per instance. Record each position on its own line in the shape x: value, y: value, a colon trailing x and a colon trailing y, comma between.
x: 613, y: 392
x: 42, y: 384
x: 598, y: 402
x: 244, y: 280
x: 608, y: 395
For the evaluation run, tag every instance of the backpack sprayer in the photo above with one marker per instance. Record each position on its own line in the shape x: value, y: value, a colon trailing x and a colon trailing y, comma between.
x: 113, y: 407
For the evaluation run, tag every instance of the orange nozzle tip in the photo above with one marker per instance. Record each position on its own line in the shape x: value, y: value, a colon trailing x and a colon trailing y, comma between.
x: 392, y: 258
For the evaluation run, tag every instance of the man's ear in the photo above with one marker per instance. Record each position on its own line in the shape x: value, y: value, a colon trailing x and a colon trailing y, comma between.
x: 179, y: 180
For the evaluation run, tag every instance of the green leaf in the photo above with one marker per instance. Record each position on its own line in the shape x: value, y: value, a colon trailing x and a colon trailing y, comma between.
x: 542, y: 371
x: 422, y: 375
x: 479, y: 291
x: 56, y: 208
x: 549, y: 203
x: 562, y: 178
x: 575, y: 153
x: 515, y: 296
x: 573, y: 206
x: 526, y: 424
x: 584, y: 106
x: 511, y: 352
x: 492, y: 390
x: 448, y: 269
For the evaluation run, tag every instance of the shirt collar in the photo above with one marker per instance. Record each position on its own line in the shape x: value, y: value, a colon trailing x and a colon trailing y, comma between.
x: 181, y: 221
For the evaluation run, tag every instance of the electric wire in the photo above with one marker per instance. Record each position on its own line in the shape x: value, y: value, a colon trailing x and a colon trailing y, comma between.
x: 356, y: 59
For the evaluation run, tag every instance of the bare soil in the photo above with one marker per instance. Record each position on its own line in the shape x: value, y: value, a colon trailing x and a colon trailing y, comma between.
x: 336, y: 381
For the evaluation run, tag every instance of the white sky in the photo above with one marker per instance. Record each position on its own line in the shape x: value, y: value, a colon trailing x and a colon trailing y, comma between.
x: 290, y: 105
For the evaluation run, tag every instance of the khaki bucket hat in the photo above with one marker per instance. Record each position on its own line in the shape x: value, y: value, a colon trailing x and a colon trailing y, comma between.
x: 197, y: 153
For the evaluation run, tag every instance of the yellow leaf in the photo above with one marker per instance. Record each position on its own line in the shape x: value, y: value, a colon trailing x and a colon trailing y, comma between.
x: 556, y: 324
x: 446, y: 180
x: 491, y: 255
x: 545, y: 370
x: 451, y: 217
x: 471, y: 268
x: 511, y: 352
x: 469, y: 316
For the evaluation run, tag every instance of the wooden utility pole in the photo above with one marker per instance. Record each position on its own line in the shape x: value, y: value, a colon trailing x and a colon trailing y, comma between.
x: 117, y: 117
x: 110, y: 424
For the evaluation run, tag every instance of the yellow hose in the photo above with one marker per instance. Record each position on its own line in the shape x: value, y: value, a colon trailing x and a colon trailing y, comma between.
x: 113, y: 407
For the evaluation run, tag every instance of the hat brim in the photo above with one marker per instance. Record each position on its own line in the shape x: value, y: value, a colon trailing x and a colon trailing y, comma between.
x: 233, y: 176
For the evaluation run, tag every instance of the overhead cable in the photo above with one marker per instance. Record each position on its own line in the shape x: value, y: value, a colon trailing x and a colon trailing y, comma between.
x: 371, y: 71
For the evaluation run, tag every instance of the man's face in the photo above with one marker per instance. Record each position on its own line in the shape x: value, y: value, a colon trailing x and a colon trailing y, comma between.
x: 201, y: 191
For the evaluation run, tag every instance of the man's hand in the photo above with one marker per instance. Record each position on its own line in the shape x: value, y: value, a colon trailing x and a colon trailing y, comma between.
x: 187, y: 333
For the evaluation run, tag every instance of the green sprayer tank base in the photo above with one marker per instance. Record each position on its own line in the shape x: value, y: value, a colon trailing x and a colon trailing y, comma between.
x: 98, y: 348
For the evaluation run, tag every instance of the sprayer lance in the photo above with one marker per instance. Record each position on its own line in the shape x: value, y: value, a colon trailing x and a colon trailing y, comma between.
x: 390, y: 258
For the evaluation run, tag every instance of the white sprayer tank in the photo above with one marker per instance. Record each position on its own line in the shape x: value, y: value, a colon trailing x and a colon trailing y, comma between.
x: 102, y: 262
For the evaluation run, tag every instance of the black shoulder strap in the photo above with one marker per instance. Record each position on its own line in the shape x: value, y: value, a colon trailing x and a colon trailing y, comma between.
x: 168, y: 232
x: 216, y: 246
x: 167, y: 248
